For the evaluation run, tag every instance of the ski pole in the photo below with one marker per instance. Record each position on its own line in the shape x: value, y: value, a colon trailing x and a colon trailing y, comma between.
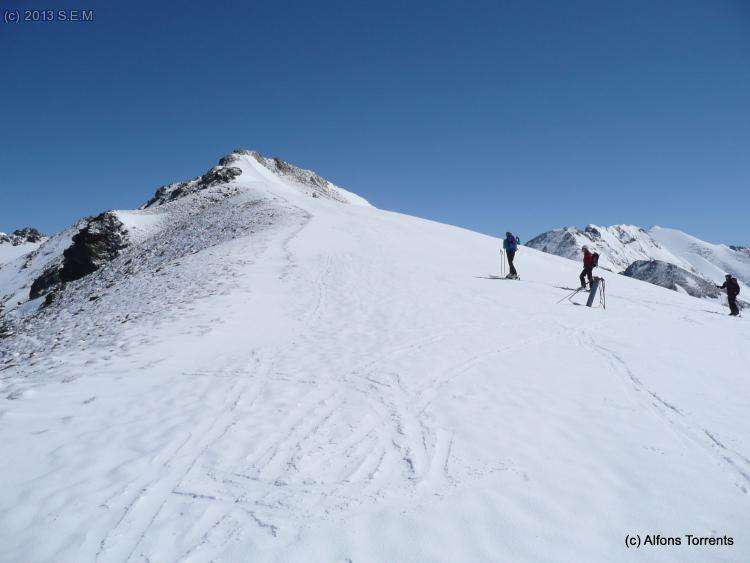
x: 569, y: 296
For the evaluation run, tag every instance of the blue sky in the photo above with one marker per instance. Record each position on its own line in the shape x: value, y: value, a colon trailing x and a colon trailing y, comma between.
x: 517, y: 115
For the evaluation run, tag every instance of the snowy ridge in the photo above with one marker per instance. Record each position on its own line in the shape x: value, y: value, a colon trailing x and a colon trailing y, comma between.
x: 621, y: 246
x: 262, y: 374
x: 618, y: 246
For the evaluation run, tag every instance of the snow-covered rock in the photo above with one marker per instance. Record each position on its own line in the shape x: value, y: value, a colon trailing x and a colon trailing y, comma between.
x: 265, y: 374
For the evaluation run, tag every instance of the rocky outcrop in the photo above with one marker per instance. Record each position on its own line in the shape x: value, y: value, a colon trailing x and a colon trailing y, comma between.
x: 98, y: 242
x: 672, y: 277
x: 220, y: 174
x: 49, y: 279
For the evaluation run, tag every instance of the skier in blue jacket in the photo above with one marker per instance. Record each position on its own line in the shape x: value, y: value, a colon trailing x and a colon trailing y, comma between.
x: 510, y: 245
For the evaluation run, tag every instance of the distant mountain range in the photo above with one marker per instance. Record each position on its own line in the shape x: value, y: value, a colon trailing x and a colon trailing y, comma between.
x: 18, y: 243
x: 666, y: 257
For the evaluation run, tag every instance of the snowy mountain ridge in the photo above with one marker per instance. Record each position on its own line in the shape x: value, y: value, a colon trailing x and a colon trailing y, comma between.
x: 248, y: 369
x: 621, y: 246
x: 618, y: 246
x: 95, y: 241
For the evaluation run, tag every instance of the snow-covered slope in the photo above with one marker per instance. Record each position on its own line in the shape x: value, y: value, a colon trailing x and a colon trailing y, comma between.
x: 266, y: 375
x: 712, y: 261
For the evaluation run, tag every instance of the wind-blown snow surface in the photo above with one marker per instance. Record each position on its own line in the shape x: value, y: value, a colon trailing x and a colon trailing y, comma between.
x: 326, y: 382
x: 9, y: 252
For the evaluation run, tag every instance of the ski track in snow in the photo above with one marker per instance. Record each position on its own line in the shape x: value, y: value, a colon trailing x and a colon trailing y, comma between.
x: 679, y: 421
x: 314, y: 388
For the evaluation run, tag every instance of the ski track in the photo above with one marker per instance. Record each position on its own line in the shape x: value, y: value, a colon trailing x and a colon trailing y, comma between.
x: 393, y: 450
x: 677, y: 421
x: 373, y: 463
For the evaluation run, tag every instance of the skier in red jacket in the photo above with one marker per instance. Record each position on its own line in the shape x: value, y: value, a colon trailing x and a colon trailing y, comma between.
x: 588, y: 267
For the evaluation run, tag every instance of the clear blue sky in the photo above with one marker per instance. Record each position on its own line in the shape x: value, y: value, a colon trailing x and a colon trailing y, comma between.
x: 518, y: 115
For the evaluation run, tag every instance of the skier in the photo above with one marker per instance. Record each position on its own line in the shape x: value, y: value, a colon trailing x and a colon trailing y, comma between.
x: 589, y: 262
x: 510, y: 245
x: 733, y: 290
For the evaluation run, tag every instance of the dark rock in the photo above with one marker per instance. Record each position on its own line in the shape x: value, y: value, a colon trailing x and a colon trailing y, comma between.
x: 592, y: 232
x: 221, y: 174
x: 50, y: 278
x: 50, y: 298
x: 29, y: 233
x: 100, y: 241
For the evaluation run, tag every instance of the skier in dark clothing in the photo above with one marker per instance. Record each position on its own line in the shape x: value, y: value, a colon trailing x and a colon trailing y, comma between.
x: 588, y: 268
x: 733, y: 290
x: 510, y: 245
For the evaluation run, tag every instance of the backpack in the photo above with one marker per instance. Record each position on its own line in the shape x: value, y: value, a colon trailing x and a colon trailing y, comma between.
x: 594, y: 259
x: 735, y: 286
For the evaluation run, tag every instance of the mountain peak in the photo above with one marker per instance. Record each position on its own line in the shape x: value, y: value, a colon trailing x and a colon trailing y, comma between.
x: 244, y: 167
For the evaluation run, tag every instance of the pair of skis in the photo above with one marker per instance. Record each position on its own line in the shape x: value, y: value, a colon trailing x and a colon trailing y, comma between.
x: 598, y: 282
